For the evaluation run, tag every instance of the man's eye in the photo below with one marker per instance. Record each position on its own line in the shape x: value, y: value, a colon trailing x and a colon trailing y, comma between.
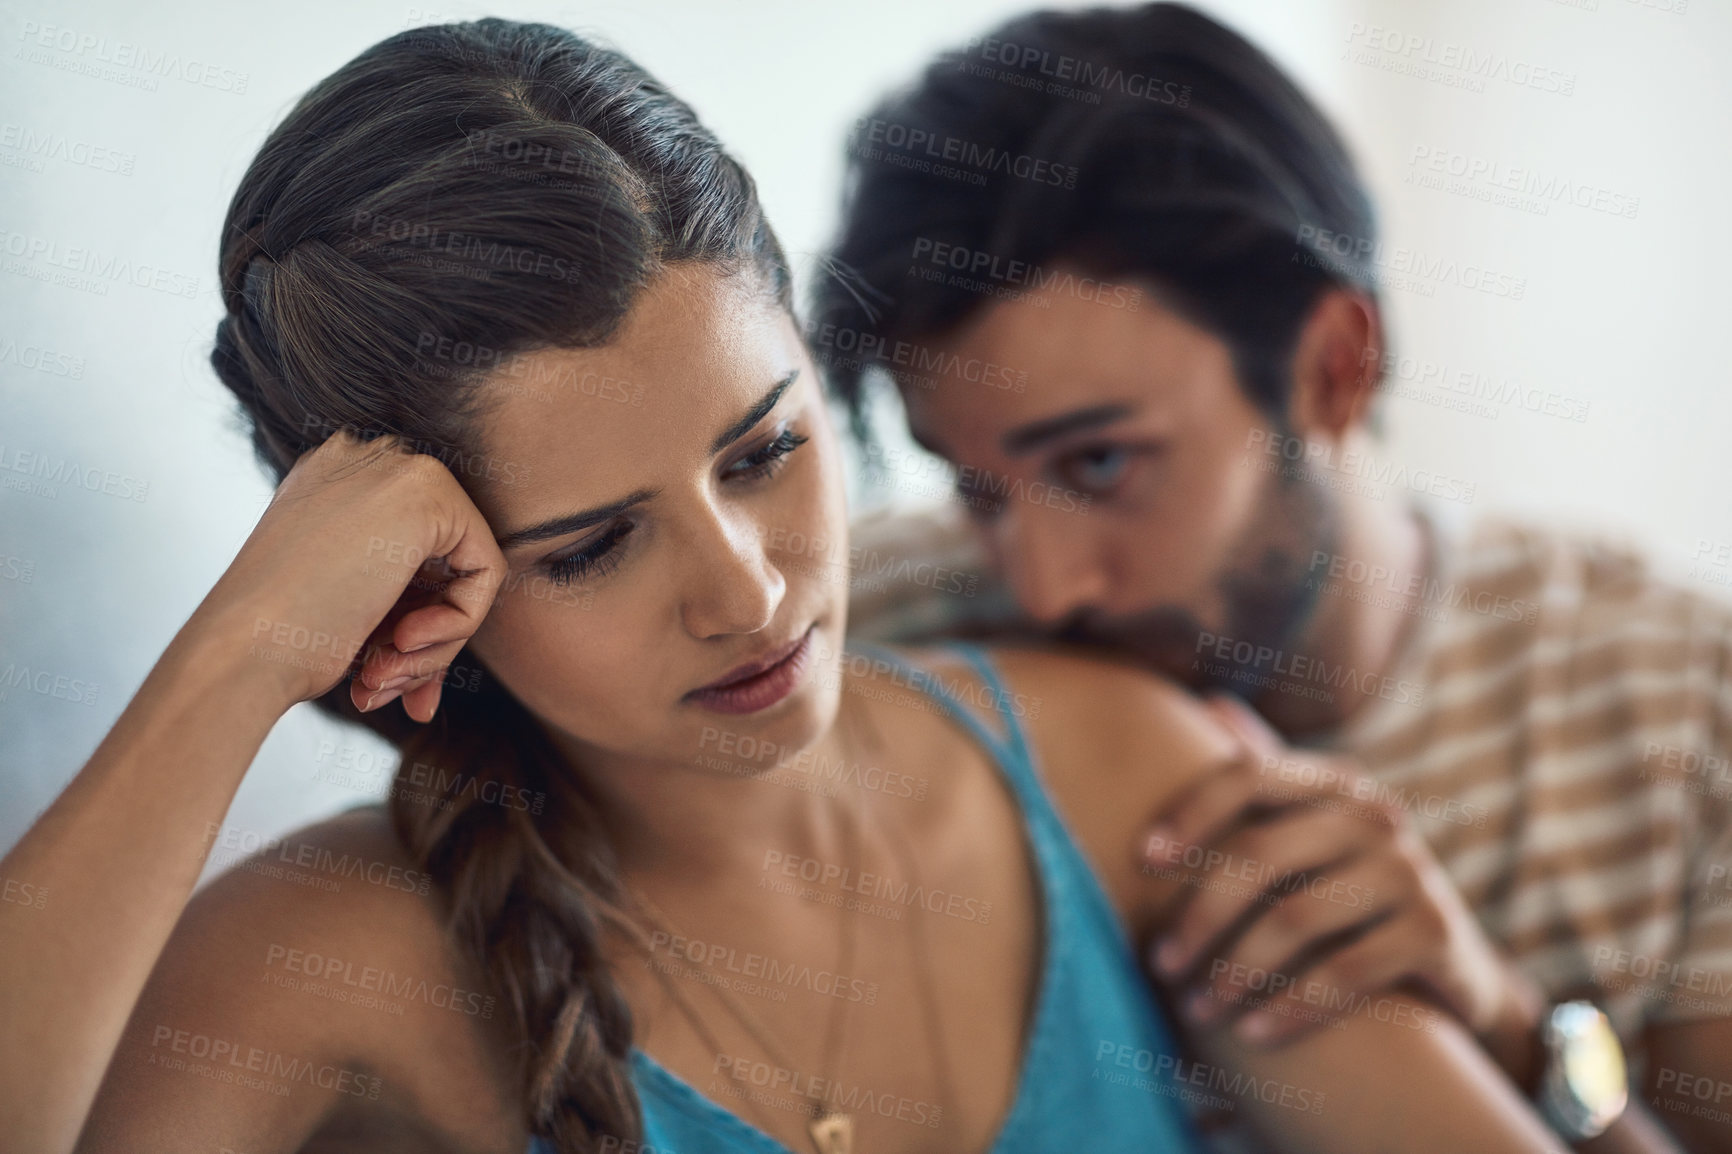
x: 1098, y: 468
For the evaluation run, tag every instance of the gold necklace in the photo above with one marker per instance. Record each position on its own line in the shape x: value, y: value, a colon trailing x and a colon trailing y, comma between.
x: 832, y: 1131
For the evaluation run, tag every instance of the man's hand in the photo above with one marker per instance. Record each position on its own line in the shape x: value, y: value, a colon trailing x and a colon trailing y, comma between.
x: 1301, y: 904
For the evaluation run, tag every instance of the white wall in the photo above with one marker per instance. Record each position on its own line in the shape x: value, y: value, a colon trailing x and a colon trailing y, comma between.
x: 1622, y: 316
x: 1618, y: 313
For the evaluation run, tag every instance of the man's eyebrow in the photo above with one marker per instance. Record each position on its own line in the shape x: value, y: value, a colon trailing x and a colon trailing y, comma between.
x: 572, y: 522
x: 1027, y: 438
x: 744, y: 425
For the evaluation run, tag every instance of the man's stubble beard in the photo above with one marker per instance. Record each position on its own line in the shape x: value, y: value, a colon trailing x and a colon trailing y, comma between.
x: 1266, y: 589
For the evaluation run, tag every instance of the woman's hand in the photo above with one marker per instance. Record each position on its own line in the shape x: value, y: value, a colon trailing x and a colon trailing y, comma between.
x: 328, y: 576
x: 368, y: 553
x: 1306, y: 895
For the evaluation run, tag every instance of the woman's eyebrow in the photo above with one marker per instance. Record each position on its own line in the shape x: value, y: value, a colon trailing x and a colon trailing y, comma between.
x: 744, y: 425
x: 572, y: 522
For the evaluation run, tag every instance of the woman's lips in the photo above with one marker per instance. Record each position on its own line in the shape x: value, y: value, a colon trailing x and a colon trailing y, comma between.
x: 759, y: 690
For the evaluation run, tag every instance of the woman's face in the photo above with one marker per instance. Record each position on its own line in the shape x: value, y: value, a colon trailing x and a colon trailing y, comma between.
x: 671, y: 508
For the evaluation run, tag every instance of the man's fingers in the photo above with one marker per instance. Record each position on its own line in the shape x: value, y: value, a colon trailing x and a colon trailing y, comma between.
x: 1285, y: 775
x: 1207, y: 808
x: 1245, y: 723
x: 1291, y: 937
x: 1237, y: 874
x: 1201, y: 814
x: 1356, y: 979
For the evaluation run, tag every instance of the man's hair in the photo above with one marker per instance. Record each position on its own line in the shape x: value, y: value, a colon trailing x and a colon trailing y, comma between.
x: 1150, y: 144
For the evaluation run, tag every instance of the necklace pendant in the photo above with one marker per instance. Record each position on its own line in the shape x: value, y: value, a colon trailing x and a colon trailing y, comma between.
x: 833, y: 1134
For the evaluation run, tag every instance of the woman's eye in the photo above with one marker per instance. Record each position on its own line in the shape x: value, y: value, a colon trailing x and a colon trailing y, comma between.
x: 1097, y: 469
x: 595, y: 559
x: 765, y: 461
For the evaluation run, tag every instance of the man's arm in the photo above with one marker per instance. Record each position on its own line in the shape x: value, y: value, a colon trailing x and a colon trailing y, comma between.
x: 1114, y: 744
x: 1689, y: 1081
x: 1372, y: 914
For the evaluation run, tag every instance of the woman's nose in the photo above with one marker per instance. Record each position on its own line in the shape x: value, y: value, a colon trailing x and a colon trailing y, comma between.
x: 732, y: 587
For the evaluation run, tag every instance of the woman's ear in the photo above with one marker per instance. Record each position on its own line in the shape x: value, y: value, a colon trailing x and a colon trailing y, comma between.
x: 1337, y: 364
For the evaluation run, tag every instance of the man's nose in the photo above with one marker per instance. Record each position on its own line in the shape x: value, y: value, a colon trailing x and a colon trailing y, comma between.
x: 1053, y: 567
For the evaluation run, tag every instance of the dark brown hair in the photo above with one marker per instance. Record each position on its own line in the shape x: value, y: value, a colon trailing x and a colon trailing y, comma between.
x: 1171, y: 151
x: 452, y: 197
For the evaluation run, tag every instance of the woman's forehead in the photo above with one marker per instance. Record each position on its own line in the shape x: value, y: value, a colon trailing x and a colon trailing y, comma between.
x: 697, y: 350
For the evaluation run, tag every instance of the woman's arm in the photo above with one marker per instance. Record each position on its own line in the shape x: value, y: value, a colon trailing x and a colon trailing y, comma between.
x: 284, y: 1016
x: 116, y: 856
x: 1115, y: 744
x: 1402, y: 1077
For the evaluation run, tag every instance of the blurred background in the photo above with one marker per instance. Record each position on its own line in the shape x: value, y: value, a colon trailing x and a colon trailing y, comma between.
x: 1575, y: 150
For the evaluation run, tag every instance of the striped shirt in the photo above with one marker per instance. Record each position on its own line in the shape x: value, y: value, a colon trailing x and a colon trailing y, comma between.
x: 1567, y: 753
x: 1579, y: 710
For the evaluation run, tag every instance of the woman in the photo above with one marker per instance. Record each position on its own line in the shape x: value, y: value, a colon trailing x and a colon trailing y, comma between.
x: 511, y: 330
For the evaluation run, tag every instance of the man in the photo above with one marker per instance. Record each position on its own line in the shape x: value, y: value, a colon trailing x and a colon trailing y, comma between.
x: 1124, y: 278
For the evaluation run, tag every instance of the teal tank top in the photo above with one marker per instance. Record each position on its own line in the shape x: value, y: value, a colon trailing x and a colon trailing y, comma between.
x: 1098, y: 1056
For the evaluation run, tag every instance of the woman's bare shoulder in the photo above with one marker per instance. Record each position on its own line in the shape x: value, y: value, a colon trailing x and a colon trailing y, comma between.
x: 1080, y: 707
x: 311, y: 986
x: 1115, y: 743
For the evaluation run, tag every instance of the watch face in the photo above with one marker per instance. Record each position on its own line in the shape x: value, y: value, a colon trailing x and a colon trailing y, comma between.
x: 1592, y: 1060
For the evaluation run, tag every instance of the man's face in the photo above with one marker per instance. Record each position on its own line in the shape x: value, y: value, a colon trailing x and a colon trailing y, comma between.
x: 1192, y: 526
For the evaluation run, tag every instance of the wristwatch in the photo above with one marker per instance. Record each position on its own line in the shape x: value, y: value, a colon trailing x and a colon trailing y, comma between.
x: 1584, y: 1087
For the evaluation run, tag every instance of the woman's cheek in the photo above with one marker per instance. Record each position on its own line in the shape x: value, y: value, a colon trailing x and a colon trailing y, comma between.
x: 534, y: 619
x: 582, y: 669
